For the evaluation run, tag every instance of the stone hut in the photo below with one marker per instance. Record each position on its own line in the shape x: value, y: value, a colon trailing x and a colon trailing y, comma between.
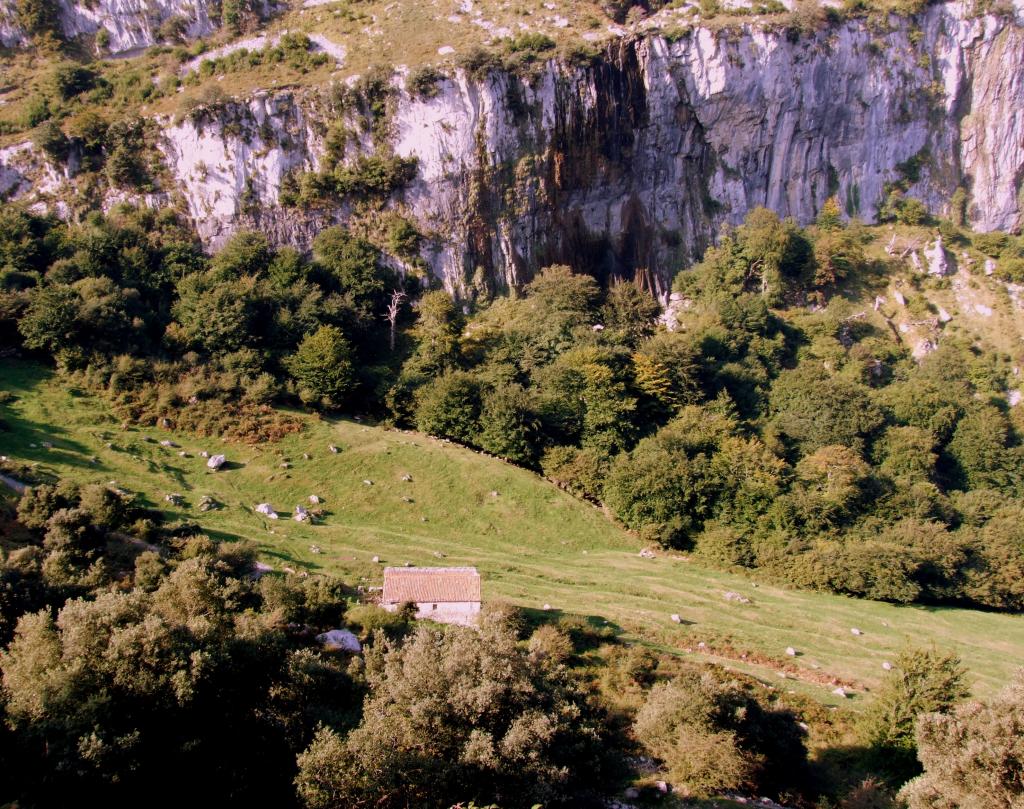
x: 450, y: 595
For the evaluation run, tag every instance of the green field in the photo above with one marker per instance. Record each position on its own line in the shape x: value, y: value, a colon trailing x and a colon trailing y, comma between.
x: 533, y: 544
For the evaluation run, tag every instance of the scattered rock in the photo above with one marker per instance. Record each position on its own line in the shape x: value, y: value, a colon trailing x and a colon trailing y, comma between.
x: 546, y: 607
x: 855, y: 631
x: 631, y: 793
x: 887, y: 665
x: 407, y: 478
x: 165, y: 423
x: 702, y: 645
x: 265, y: 508
x: 333, y: 449
x: 445, y: 50
x: 301, y: 515
x: 494, y: 494
x: 315, y: 549
x: 983, y: 310
x: 791, y: 651
x: 204, y: 454
x: 662, y: 787
x: 207, y: 503
x: 183, y: 454
x: 314, y: 500
x: 990, y: 266
x: 646, y: 553
x: 739, y: 599
x: 375, y: 560
x: 174, y: 499
x: 168, y: 443
x: 944, y: 316
x: 676, y: 618
x: 306, y: 456
x: 840, y: 692
x: 899, y: 298
x: 216, y: 462
x: 367, y: 482
x: 286, y: 465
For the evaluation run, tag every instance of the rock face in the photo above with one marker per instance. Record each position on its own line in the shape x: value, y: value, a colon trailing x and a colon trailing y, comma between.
x: 636, y: 160
x: 130, y: 24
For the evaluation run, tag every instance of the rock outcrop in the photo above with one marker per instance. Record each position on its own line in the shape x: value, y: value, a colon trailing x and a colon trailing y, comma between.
x: 130, y: 24
x: 637, y: 159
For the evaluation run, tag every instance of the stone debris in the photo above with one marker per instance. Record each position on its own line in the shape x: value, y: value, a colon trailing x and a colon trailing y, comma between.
x: 265, y: 508
x: 306, y: 456
x: 216, y: 462
x: 407, y: 478
x: 333, y: 449
x: 204, y: 454
x: 676, y: 618
x: 990, y: 266
x: 168, y: 443
x: 286, y: 465
x: 840, y: 692
x: 791, y: 651
x: 739, y: 599
x: 375, y: 560
x: 315, y: 549
x: 662, y: 787
x: 301, y: 515
x: 887, y: 665
x: 646, y: 553
x: 898, y: 296
x: 207, y: 503
x: 983, y: 310
x: 494, y: 494
x: 367, y: 482
x: 314, y: 500
x: 174, y: 499
x: 855, y: 631
x: 944, y: 316
x: 183, y: 454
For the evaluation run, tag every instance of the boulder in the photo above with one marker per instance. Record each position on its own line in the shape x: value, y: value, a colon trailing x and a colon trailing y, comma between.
x: 739, y: 599
x: 940, y: 262
x: 855, y: 631
x: 341, y: 640
x: 791, y: 651
x: 839, y: 692
x: 333, y: 449
x: 267, y: 510
x: 314, y: 500
x: 887, y: 665
x: 301, y: 515
x: 676, y: 618
x: 216, y: 462
x: 168, y: 443
x: 646, y: 553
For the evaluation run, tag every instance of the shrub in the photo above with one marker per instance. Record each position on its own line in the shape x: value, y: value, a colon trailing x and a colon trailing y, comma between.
x: 477, y: 63
x: 424, y: 82
x: 37, y: 110
x: 322, y: 366
x: 50, y: 138
x: 70, y: 80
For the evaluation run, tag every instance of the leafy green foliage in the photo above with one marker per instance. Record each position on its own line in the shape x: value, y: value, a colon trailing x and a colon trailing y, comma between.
x: 463, y: 712
x: 322, y: 366
x: 972, y: 755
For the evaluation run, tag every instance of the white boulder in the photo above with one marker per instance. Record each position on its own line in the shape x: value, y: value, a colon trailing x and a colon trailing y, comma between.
x: 340, y: 640
x: 216, y: 462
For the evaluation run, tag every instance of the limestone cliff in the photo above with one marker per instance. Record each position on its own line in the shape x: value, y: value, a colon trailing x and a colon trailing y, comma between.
x: 130, y: 24
x: 638, y: 159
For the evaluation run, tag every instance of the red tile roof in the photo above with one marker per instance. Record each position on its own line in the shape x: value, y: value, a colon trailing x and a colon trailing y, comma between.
x: 433, y: 584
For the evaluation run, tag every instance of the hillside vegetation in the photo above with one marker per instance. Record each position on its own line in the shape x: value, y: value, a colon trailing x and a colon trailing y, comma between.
x: 533, y: 544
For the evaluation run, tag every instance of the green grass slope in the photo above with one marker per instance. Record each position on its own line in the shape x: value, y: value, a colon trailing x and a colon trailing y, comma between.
x: 533, y: 544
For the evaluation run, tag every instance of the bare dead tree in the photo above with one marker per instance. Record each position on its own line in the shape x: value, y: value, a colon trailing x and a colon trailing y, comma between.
x: 398, y: 297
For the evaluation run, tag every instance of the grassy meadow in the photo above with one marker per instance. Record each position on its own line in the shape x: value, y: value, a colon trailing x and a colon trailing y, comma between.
x: 533, y: 544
